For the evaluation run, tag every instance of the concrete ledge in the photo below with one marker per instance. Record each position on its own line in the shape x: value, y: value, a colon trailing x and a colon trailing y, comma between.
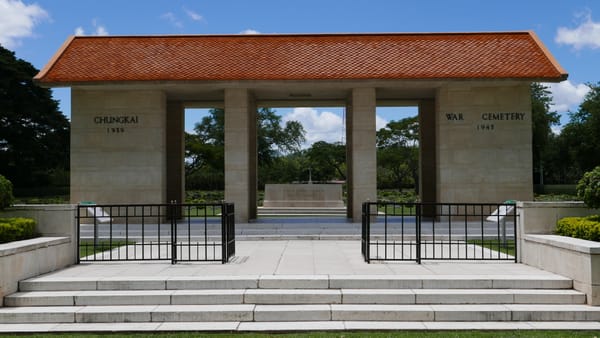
x: 28, y: 258
x: 575, y: 258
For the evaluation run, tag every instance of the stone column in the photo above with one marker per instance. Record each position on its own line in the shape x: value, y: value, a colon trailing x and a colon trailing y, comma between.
x: 175, y: 152
x: 240, y: 153
x: 118, y: 146
x: 484, y: 151
x: 361, y: 150
x: 427, y: 153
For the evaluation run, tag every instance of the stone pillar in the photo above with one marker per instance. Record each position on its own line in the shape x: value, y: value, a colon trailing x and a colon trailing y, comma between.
x: 175, y: 152
x: 484, y: 151
x: 118, y: 145
x: 240, y: 153
x: 361, y: 150
x: 427, y: 153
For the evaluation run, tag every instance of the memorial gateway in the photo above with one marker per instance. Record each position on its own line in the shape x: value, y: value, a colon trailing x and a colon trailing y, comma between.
x: 472, y: 91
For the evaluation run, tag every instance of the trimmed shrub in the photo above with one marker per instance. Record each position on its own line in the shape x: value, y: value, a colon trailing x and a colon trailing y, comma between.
x: 588, y: 188
x: 16, y: 229
x: 580, y: 227
x: 6, y: 193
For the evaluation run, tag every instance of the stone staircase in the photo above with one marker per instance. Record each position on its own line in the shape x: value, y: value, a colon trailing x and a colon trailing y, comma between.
x: 277, y: 299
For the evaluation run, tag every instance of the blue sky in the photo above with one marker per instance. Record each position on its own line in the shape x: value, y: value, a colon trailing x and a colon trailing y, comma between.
x: 569, y: 29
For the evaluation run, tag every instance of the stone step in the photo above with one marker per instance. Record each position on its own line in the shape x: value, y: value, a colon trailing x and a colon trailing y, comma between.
x: 294, y: 296
x: 49, y: 283
x: 276, y: 313
x: 331, y: 326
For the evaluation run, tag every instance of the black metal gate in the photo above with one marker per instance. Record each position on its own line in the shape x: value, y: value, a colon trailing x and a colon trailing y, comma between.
x: 136, y: 232
x: 439, y: 231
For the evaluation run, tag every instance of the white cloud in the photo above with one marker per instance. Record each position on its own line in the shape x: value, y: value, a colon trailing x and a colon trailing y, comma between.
x: 587, y: 34
x: 193, y: 15
x: 566, y: 95
x: 98, y: 30
x: 249, y: 31
x: 17, y: 21
x: 319, y: 126
x: 322, y: 125
x: 380, y: 122
x: 172, y: 18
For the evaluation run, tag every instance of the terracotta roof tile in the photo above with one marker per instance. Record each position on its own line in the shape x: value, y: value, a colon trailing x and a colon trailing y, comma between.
x: 514, y: 55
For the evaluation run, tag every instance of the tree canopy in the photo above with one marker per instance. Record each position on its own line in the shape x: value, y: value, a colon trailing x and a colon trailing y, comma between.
x: 205, y: 148
x: 34, y: 134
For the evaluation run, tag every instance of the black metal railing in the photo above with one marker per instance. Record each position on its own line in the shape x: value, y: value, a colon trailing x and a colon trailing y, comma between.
x: 175, y: 232
x: 439, y: 231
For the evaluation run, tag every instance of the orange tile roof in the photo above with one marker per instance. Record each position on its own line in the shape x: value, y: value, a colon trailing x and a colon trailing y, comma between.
x: 507, y: 55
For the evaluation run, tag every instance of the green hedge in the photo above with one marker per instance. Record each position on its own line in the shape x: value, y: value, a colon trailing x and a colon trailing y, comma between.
x: 16, y: 229
x: 580, y: 227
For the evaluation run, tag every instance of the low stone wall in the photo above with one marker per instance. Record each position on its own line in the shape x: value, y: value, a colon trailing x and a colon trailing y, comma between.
x: 31, y: 257
x: 56, y: 249
x: 571, y: 257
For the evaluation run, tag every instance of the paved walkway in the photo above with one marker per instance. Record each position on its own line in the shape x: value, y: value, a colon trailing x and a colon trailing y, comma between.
x: 300, y: 257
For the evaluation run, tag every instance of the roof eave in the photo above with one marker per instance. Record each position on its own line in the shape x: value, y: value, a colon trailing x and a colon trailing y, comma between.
x: 39, y: 77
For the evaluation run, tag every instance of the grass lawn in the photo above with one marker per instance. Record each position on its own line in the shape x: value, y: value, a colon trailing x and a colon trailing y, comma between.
x: 86, y: 247
x: 496, y: 245
x: 344, y: 334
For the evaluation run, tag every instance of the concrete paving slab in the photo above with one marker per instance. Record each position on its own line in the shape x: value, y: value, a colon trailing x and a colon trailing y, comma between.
x: 26, y: 328
x: 119, y: 297
x: 473, y: 313
x: 378, y: 296
x: 379, y: 325
x: 463, y: 296
x: 106, y: 327
x: 383, y: 312
x: 293, y: 282
x: 291, y: 326
x: 288, y: 313
x: 50, y: 314
x: 197, y: 326
x: 207, y: 297
x: 212, y: 282
x: 203, y: 313
x: 552, y: 312
x: 43, y: 298
x: 114, y: 314
x: 292, y: 296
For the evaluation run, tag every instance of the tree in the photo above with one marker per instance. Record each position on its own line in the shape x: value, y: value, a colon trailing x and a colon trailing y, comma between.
x: 398, y: 153
x: 327, y: 161
x: 542, y: 120
x: 34, y: 134
x: 205, y: 148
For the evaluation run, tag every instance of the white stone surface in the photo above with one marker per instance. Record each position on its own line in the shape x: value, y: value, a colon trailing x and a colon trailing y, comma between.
x: 50, y: 314
x: 293, y: 296
x: 275, y: 313
x: 55, y: 298
x: 203, y: 313
x: 292, y: 326
x: 382, y: 312
x: 212, y: 282
x: 375, y: 282
x: 201, y: 297
x: 378, y: 296
x: 114, y: 314
x: 293, y: 282
x: 129, y: 297
x: 463, y: 296
x: 471, y: 312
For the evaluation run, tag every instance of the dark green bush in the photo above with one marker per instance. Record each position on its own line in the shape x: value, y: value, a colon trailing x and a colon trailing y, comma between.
x: 580, y: 227
x: 588, y: 188
x: 6, y: 193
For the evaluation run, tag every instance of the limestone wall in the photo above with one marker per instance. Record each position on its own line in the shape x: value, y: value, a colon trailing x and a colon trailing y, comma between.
x: 484, y: 151
x: 118, y: 146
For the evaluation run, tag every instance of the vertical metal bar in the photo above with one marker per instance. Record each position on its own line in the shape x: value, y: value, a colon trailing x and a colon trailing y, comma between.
x: 189, y: 224
x: 482, y: 237
x: 385, y: 229
x: 158, y: 226
x: 171, y: 215
x: 402, y: 206
x: 418, y: 233
x: 143, y: 232
x: 515, y: 238
x: 449, y: 232
x: 78, y: 217
x: 467, y: 233
x: 224, y: 237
